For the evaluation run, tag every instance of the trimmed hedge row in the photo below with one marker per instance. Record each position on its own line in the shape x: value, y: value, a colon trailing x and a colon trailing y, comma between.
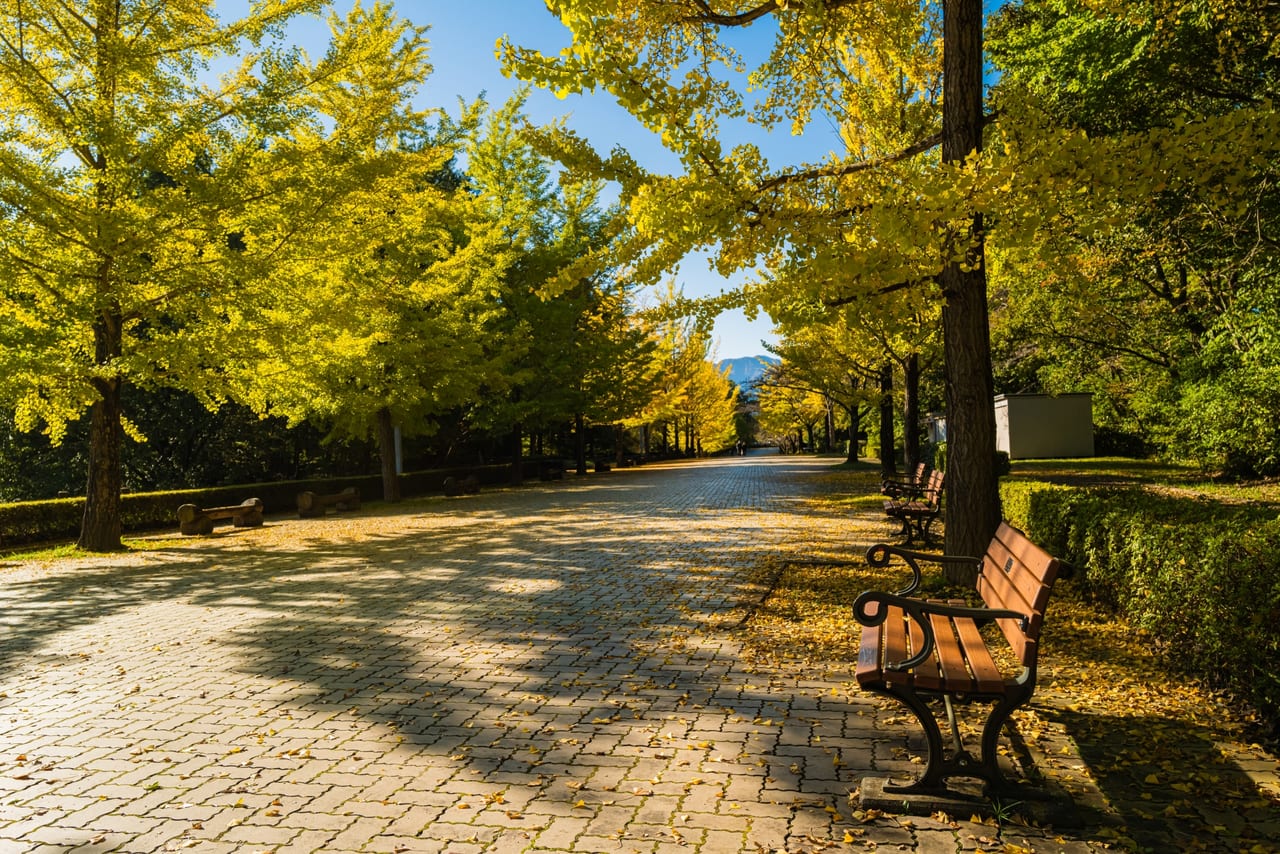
x: 59, y: 519
x: 1200, y: 577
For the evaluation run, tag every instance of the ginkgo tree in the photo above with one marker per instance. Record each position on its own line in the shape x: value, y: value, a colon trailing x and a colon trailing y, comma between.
x: 560, y: 343
x: 380, y: 326
x: 144, y: 202
x: 861, y: 223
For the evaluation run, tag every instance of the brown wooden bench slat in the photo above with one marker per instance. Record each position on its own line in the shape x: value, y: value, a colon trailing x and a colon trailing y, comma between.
x: 917, y: 650
x: 870, y: 653
x: 947, y: 670
x: 987, y: 676
x: 1024, y: 578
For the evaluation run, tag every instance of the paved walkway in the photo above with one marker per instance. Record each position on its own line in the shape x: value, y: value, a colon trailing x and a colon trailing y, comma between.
x: 523, y: 670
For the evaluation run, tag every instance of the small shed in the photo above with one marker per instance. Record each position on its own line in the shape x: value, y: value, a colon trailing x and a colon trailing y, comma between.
x: 1040, y: 425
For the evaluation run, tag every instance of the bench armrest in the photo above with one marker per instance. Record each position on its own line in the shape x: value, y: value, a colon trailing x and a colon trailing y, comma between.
x: 900, y: 488
x: 879, y: 554
x: 871, y: 608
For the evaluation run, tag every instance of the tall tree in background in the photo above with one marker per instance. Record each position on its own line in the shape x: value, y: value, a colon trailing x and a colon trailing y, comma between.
x: 1150, y: 152
x: 569, y: 348
x: 861, y: 223
x: 140, y: 206
x: 381, y: 326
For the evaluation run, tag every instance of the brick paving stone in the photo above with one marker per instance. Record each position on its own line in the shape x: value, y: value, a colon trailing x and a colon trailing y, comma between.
x: 447, y: 676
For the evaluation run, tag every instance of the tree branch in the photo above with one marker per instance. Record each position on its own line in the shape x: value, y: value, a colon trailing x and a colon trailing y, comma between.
x: 707, y: 15
x: 840, y: 302
x: 845, y: 169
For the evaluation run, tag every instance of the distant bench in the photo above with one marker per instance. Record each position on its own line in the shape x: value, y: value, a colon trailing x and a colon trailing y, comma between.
x: 549, y: 468
x: 193, y: 520
x: 919, y: 650
x: 911, y: 486
x: 916, y: 511
x: 311, y: 505
x: 469, y: 485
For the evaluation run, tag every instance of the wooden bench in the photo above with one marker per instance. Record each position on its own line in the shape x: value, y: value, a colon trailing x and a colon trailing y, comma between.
x: 193, y: 520
x: 311, y: 505
x: 550, y: 468
x: 908, y: 487
x: 916, y: 513
x: 469, y: 485
x: 922, y: 650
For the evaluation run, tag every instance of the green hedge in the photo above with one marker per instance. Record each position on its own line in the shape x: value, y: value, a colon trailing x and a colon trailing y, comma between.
x: 1200, y: 577
x: 59, y: 519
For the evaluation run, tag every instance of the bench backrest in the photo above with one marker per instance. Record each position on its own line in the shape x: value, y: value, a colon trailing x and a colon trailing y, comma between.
x: 933, y: 489
x: 1018, y: 575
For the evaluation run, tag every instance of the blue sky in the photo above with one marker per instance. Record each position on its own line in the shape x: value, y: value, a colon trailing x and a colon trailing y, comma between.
x: 463, y: 35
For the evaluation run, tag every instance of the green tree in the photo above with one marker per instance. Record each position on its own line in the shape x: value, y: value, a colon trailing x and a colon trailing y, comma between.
x: 860, y: 223
x: 141, y: 207
x: 382, y: 325
x: 1153, y: 289
x: 572, y: 353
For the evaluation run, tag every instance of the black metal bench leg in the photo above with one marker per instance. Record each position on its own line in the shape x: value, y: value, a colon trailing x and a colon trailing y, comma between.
x: 960, y: 763
x: 932, y: 780
x: 925, y: 523
x: 991, y: 736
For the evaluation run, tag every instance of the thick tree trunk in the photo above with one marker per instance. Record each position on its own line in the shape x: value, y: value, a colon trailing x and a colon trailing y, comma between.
x: 911, y: 412
x: 100, y: 527
x: 387, y: 453
x: 973, y: 498
x: 888, y: 461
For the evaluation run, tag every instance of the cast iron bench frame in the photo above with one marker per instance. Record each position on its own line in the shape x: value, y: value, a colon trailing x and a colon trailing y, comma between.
x: 911, y: 486
x: 917, y: 650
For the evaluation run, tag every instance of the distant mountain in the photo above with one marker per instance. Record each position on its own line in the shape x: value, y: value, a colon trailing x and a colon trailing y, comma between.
x: 745, y: 369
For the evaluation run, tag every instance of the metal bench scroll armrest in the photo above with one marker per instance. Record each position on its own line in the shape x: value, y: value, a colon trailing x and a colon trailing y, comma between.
x: 880, y: 553
x: 901, y: 488
x: 871, y: 609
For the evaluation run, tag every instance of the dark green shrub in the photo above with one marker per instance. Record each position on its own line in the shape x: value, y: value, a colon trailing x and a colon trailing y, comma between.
x: 59, y: 519
x: 1201, y: 578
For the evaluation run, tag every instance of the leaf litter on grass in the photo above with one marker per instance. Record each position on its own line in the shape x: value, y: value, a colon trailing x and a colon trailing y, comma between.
x: 1151, y: 758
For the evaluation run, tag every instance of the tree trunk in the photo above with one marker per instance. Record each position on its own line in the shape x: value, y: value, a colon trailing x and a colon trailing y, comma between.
x: 911, y: 412
x: 973, y: 498
x: 855, y: 427
x: 580, y: 442
x: 828, y: 425
x: 888, y: 460
x: 100, y: 527
x: 387, y: 455
x: 517, y: 455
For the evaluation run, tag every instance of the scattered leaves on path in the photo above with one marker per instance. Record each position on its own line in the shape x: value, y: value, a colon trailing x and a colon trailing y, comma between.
x: 1150, y: 758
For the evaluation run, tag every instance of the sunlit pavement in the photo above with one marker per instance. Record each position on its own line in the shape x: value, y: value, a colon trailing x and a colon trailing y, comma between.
x: 551, y: 668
